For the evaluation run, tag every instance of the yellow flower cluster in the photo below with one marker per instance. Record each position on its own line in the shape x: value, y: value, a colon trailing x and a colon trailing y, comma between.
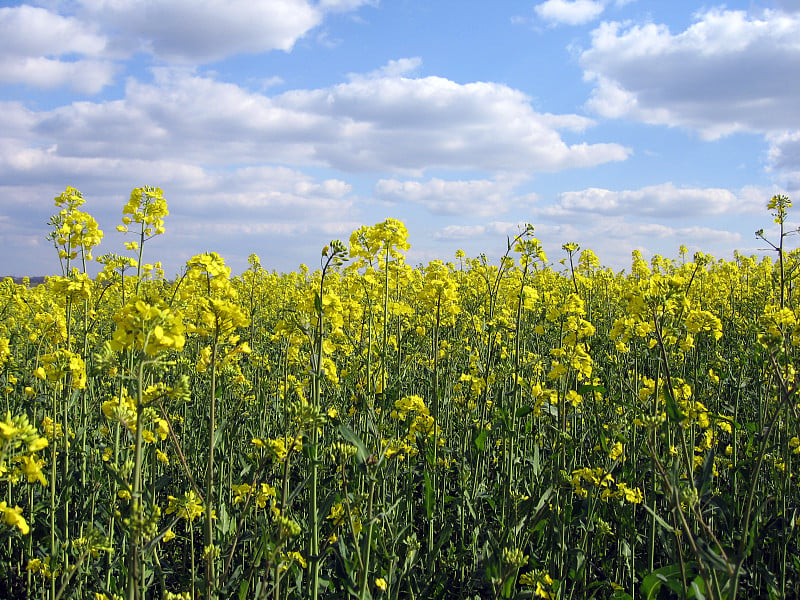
x: 604, y: 483
x: 151, y: 328
x: 281, y: 446
x: 382, y: 241
x: 146, y: 207
x: 76, y: 286
x: 188, y: 507
x: 19, y: 444
x: 262, y: 496
x: 72, y: 228
x: 62, y: 363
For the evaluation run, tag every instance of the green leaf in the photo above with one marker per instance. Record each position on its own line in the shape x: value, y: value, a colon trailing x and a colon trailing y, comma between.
x: 704, y: 483
x: 658, y: 519
x: 697, y: 589
x: 537, y: 461
x: 552, y: 409
x: 710, y: 556
x: 223, y: 519
x: 673, y: 412
x: 523, y: 411
x: 351, y: 436
x: 442, y: 538
x: 317, y: 303
x: 668, y: 575
x: 244, y: 586
x: 584, y: 388
x: 480, y: 440
x: 428, y: 499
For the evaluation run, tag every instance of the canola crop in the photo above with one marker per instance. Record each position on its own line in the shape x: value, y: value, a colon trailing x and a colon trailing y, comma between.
x: 368, y: 429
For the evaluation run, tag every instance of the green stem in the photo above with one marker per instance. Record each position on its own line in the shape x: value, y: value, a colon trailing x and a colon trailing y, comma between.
x: 368, y: 541
x: 209, y: 499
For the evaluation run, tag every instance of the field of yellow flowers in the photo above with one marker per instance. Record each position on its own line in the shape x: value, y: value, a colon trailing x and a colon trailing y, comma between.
x: 512, y: 428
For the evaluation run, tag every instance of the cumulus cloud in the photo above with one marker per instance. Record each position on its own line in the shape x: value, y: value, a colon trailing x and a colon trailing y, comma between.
x: 343, y: 5
x: 37, y: 48
x: 198, y: 32
x: 218, y: 148
x: 401, y: 123
x: 461, y: 232
x: 784, y: 157
x: 394, y: 68
x: 707, y: 235
x: 725, y: 73
x: 32, y: 31
x: 382, y: 123
x: 44, y: 49
x: 267, y: 193
x: 570, y: 12
x: 479, y: 197
x: 664, y: 201
x: 785, y: 150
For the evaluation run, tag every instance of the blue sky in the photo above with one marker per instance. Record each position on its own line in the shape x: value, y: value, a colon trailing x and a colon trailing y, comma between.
x: 274, y: 126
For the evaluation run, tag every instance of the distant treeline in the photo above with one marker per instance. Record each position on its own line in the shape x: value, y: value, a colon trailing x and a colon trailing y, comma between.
x: 33, y: 280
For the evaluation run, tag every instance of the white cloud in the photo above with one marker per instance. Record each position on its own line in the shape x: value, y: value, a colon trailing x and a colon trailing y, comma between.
x: 197, y: 32
x: 394, y: 68
x: 30, y: 31
x: 276, y: 194
x: 784, y: 150
x: 400, y: 123
x: 481, y: 197
x: 393, y: 124
x: 663, y: 201
x: 278, y: 229
x: 34, y: 43
x: 460, y: 232
x: 707, y: 235
x: 85, y: 76
x: 344, y: 5
x: 724, y: 73
x: 16, y: 121
x: 199, y: 139
x: 493, y: 229
x: 570, y: 12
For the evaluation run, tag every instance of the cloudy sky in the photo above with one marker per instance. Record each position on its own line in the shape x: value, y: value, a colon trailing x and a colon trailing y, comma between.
x: 274, y: 126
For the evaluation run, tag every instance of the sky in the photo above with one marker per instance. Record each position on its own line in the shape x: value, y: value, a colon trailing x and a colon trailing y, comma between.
x: 275, y: 126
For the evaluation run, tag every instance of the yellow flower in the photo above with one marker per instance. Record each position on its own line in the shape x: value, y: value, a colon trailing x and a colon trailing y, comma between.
x: 8, y: 430
x: 162, y: 457
x: 32, y: 469
x: 616, y: 451
x: 14, y: 518
x: 574, y: 398
x: 189, y: 507
x: 296, y: 557
x: 380, y: 583
x: 634, y: 496
x: 336, y: 514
